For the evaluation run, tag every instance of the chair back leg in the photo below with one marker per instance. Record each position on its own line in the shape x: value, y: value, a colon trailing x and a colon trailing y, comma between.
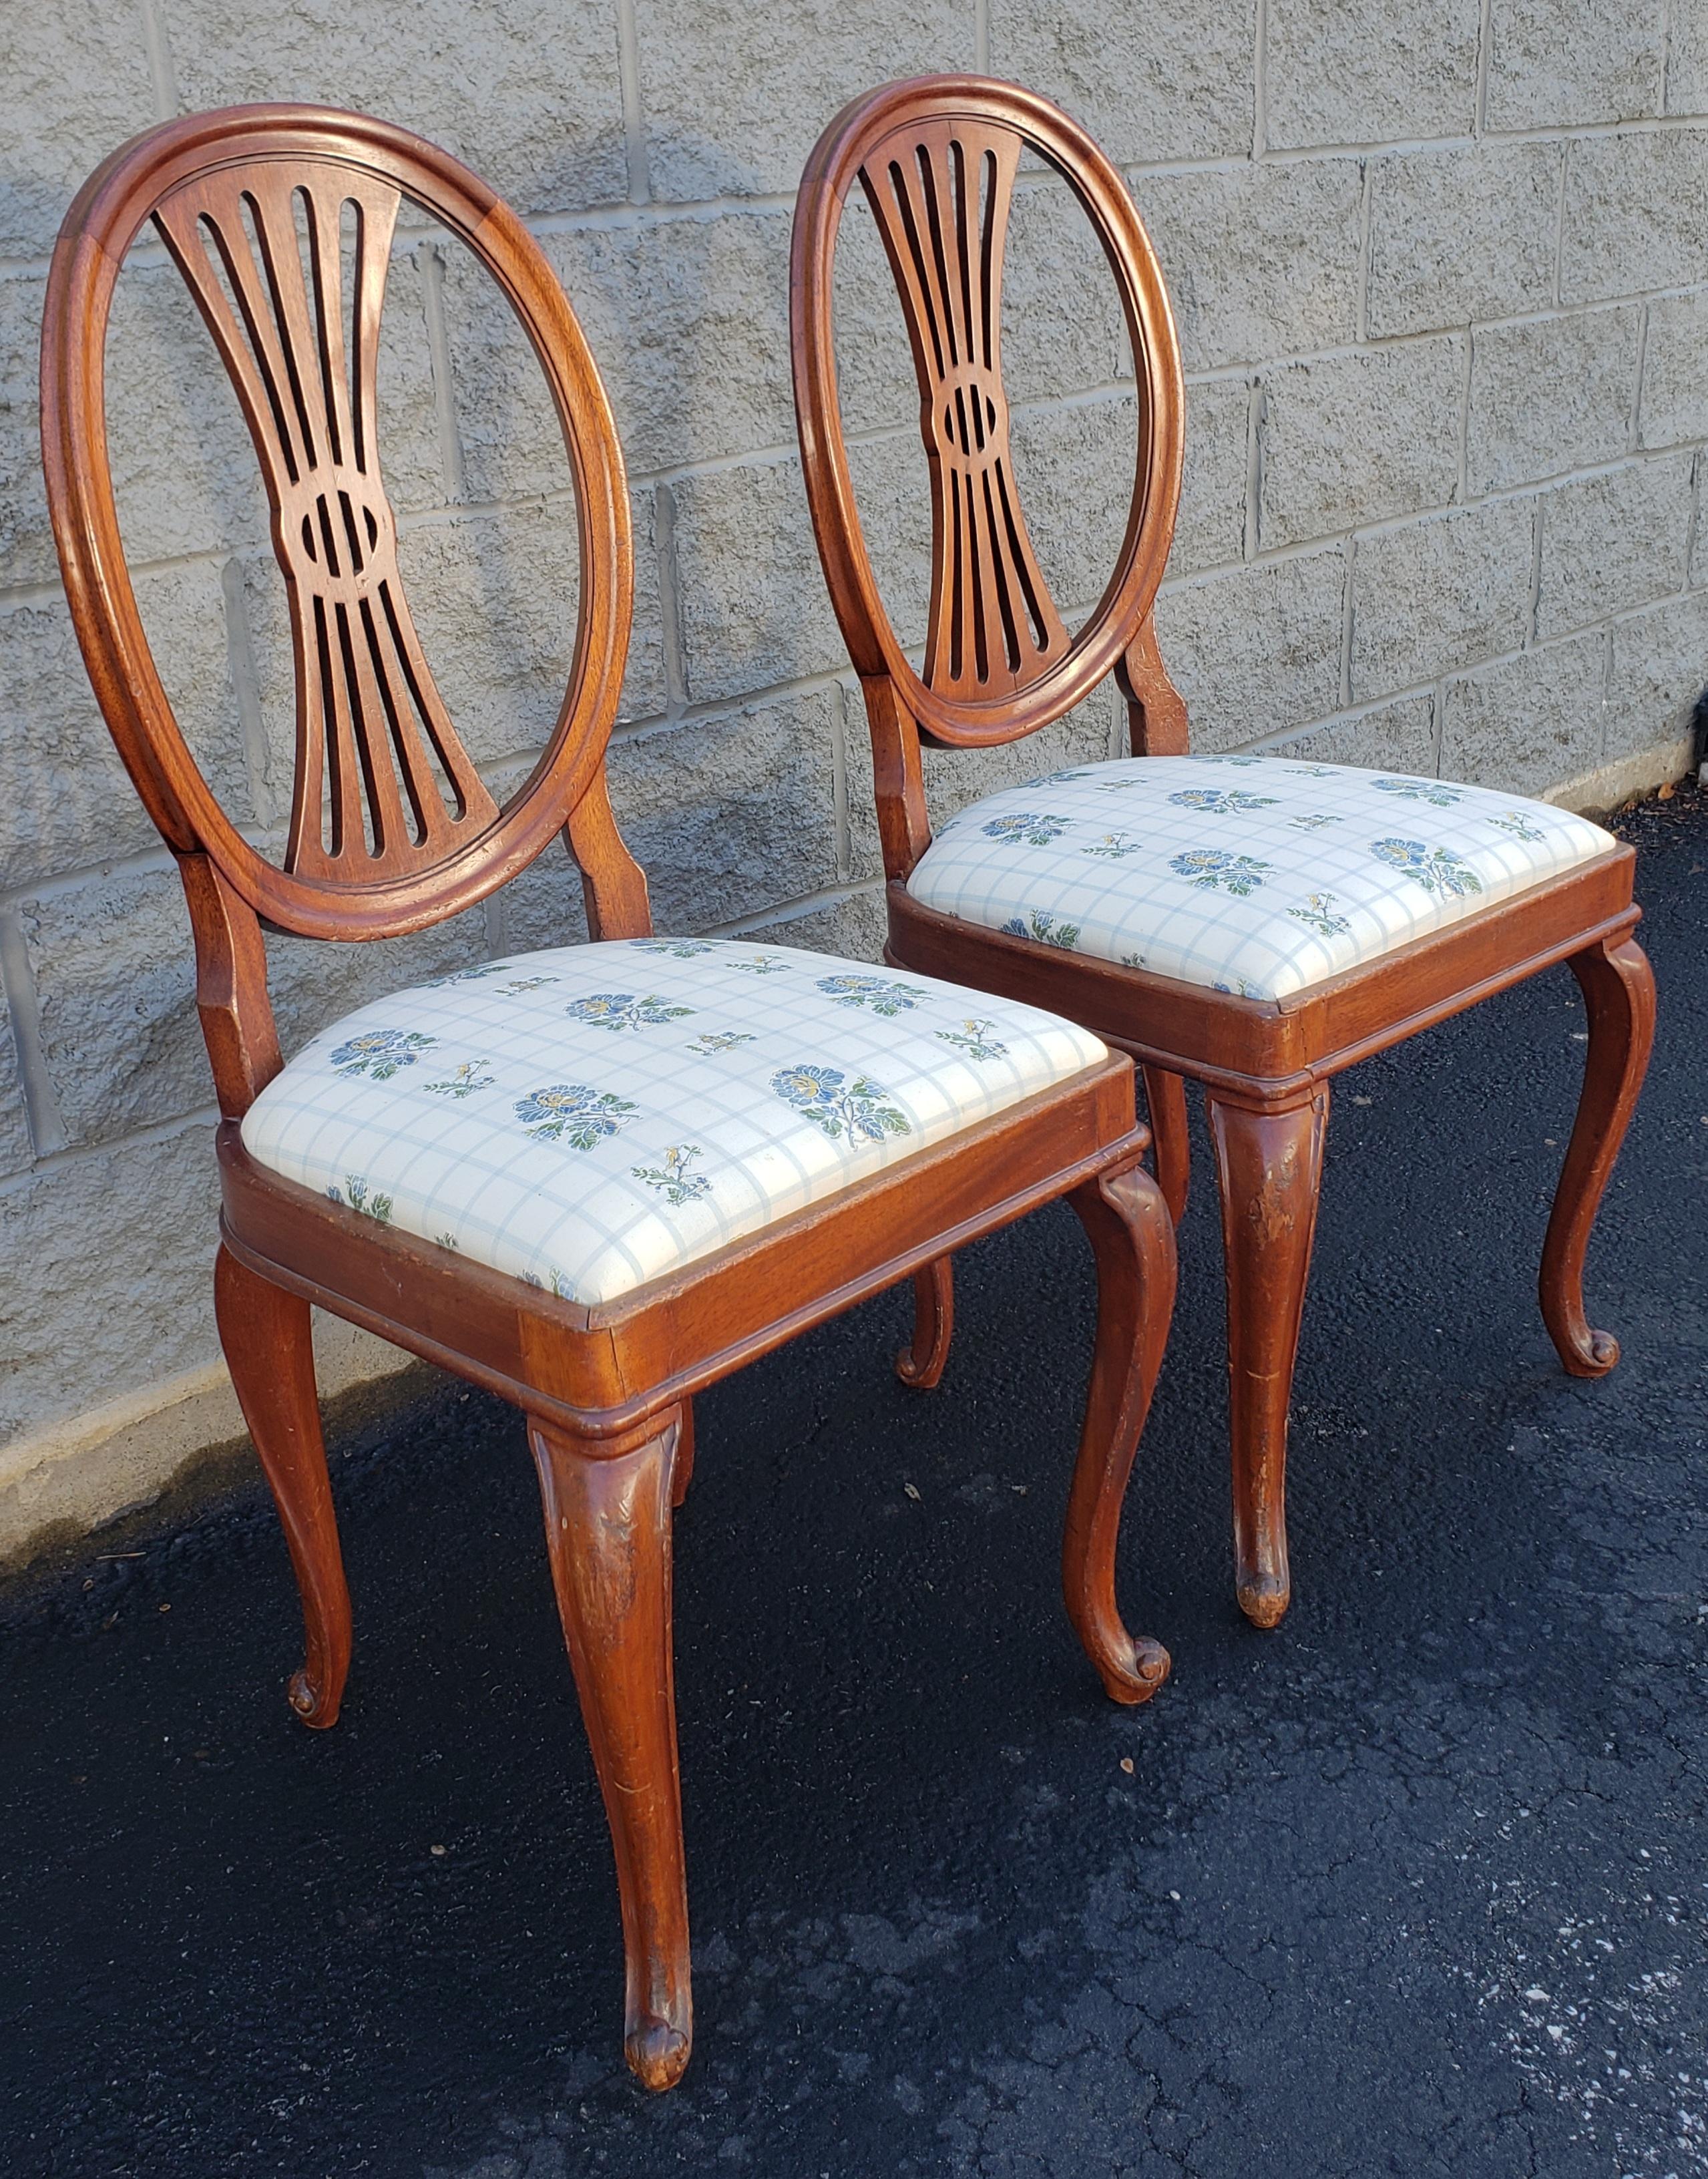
x: 922, y: 1363
x: 608, y: 1530
x: 1166, y: 1095
x: 264, y: 1332
x: 1619, y: 988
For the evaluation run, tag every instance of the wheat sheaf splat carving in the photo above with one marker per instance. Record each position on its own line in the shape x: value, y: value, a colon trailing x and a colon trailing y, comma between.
x: 939, y: 192
x: 383, y: 786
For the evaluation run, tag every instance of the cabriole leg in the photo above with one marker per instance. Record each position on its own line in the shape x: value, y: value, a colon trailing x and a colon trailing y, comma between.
x: 1166, y: 1095
x: 264, y: 1332
x: 1132, y: 1235
x: 1270, y: 1165
x: 922, y: 1364
x: 1619, y: 988
x: 607, y: 1529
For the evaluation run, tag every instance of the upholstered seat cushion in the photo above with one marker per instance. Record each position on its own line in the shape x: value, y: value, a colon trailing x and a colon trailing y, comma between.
x: 592, y: 1118
x: 1252, y: 874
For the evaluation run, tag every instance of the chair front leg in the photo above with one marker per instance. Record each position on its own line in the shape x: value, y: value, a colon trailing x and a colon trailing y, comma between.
x: 269, y: 1350
x: 921, y: 1363
x: 1166, y: 1095
x: 1270, y: 1164
x: 1132, y: 1236
x: 1619, y: 988
x: 608, y: 1530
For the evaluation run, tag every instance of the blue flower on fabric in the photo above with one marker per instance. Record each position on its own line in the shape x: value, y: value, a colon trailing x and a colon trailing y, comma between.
x: 1436, y: 869
x: 464, y: 975
x: 621, y: 1010
x: 1317, y: 909
x: 877, y: 992
x: 379, y: 1052
x: 1025, y: 824
x: 974, y: 1037
x: 1420, y: 790
x: 354, y: 1195
x: 838, y: 1106
x: 1213, y: 870
x: 570, y: 1112
x: 1043, y: 927
x: 1229, y: 800
x: 1519, y: 825
x: 672, y: 1179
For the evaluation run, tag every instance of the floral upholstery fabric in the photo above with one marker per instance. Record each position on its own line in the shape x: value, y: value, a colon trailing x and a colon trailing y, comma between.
x: 591, y: 1117
x: 1252, y: 874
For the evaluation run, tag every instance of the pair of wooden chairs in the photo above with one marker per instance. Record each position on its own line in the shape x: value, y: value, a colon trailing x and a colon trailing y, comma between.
x: 597, y: 1179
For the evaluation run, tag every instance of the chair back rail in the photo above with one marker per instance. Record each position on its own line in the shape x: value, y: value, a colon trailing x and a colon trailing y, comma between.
x: 280, y: 218
x: 937, y: 158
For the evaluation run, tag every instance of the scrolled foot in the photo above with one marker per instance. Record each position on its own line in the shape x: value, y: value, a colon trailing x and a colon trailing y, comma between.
x: 1133, y: 1669
x: 315, y: 1706
x: 657, y: 2050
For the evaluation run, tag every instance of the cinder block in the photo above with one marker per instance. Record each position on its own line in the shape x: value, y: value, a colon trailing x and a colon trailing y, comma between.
x: 535, y: 107
x: 734, y: 814
x: 1553, y: 395
x: 1367, y: 76
x: 1660, y: 668
x: 26, y: 542
x: 16, y: 1150
x: 688, y: 324
x: 855, y: 927
x: 718, y: 126
x: 876, y: 386
x: 65, y: 801
x: 1612, y: 541
x: 1260, y: 261
x: 1397, y: 737
x: 120, y: 1247
x: 1686, y: 60
x: 1359, y: 437
x: 1209, y: 531
x: 1636, y: 214
x: 77, y: 85
x: 115, y: 987
x: 1064, y: 332
x: 1439, y: 594
x: 1257, y: 649
x: 1674, y: 405
x: 1461, y: 234
x: 753, y: 607
x: 1528, y: 722
x: 1554, y: 62
x: 1162, y: 83
x: 1074, y: 468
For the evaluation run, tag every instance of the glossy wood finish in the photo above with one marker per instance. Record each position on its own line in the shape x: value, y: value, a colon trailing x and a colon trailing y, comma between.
x: 269, y: 1348
x: 607, y: 1529
x: 391, y: 830
x: 922, y: 1361
x: 1619, y: 988
x: 947, y: 148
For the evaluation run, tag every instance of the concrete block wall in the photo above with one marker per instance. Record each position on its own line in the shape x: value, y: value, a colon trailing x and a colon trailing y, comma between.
x: 1442, y: 278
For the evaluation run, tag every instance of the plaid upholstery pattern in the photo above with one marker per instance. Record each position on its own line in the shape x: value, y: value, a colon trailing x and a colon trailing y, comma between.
x: 1252, y: 874
x: 593, y: 1116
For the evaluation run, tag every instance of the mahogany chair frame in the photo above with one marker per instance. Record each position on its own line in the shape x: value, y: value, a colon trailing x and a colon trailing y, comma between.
x: 936, y: 157
x: 607, y: 1390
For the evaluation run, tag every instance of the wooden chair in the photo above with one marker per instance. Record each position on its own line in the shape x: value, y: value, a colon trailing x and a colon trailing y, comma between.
x: 1123, y: 894
x: 574, y: 1250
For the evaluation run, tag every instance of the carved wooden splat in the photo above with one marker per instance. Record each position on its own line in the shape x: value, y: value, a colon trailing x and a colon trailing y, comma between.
x: 263, y: 248
x: 940, y: 191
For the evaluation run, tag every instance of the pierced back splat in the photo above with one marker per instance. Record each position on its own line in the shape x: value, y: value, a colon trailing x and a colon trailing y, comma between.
x: 939, y: 192
x: 374, y: 739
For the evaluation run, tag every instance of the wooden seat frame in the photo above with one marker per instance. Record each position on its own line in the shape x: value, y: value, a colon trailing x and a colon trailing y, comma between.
x: 378, y: 848
x: 937, y: 158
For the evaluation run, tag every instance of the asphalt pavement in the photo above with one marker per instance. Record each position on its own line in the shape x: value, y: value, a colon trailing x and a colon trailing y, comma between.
x: 1417, y: 1885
